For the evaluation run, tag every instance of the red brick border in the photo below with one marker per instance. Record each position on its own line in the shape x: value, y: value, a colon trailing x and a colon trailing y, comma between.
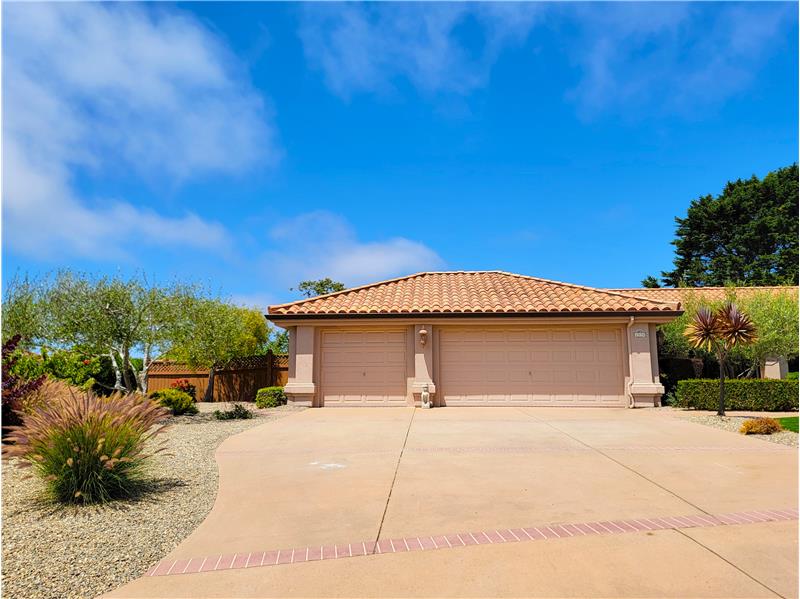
x: 488, y: 537
x: 579, y: 448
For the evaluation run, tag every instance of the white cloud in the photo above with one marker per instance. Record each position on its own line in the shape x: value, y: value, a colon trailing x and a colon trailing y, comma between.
x: 43, y: 218
x: 320, y: 244
x: 367, y: 47
x: 96, y: 88
x: 637, y: 59
x: 660, y: 58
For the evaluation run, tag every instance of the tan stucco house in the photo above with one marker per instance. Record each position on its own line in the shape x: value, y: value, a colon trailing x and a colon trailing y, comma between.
x: 474, y: 339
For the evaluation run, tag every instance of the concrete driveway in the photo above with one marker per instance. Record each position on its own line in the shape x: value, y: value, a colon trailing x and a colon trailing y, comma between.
x: 465, y: 502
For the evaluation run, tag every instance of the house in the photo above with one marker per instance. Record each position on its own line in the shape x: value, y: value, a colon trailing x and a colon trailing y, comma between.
x: 486, y: 338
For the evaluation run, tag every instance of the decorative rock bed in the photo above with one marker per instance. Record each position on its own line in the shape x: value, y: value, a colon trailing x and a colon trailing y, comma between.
x: 59, y: 552
x: 734, y: 423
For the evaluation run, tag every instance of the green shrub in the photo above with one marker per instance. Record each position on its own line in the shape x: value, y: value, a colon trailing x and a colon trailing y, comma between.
x: 185, y: 386
x: 760, y: 426
x: 87, y: 448
x: 668, y: 399
x: 178, y: 402
x: 75, y: 368
x: 767, y: 395
x: 27, y: 366
x: 270, y: 397
x: 238, y: 412
x: 792, y: 376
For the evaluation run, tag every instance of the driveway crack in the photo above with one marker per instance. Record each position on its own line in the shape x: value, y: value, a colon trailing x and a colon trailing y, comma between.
x: 394, y: 478
x: 616, y: 461
x: 662, y: 487
x: 729, y: 562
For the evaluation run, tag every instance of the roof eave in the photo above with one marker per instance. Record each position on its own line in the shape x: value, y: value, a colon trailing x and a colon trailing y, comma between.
x: 429, y: 315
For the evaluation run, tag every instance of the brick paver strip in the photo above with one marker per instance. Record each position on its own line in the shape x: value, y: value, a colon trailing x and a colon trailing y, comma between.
x: 580, y: 448
x: 542, y: 532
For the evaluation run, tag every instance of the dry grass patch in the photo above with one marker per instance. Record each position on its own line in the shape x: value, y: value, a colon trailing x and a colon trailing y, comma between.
x: 760, y: 426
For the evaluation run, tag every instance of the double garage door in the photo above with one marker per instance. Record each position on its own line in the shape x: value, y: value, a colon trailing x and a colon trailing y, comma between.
x: 558, y: 366
x: 476, y: 366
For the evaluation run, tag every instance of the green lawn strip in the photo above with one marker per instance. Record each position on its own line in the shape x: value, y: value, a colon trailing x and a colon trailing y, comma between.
x: 789, y: 424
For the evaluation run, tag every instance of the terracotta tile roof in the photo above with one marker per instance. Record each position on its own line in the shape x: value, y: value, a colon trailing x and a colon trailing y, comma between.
x: 713, y: 294
x: 483, y: 292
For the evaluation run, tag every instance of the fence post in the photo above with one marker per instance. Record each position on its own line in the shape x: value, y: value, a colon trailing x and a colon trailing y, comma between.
x: 270, y: 367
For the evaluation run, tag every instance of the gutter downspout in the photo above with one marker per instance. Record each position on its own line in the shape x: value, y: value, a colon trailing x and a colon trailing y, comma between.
x: 630, y: 363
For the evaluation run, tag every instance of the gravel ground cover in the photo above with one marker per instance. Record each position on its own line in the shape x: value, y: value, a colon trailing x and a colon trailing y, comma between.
x: 734, y: 423
x: 58, y: 552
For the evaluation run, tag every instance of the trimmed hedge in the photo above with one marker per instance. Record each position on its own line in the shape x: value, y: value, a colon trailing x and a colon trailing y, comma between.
x: 767, y: 395
x: 270, y: 397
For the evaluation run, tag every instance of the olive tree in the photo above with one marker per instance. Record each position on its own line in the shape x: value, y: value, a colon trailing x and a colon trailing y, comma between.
x: 220, y: 332
x: 22, y: 311
x: 107, y: 316
x: 776, y: 317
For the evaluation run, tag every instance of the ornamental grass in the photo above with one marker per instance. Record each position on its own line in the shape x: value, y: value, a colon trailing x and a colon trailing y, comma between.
x: 86, y: 448
x: 760, y: 426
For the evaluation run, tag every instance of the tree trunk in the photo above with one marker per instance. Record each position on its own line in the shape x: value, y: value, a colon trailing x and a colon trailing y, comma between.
x: 141, y: 380
x: 721, y: 407
x: 141, y: 376
x: 126, y: 371
x: 209, y: 394
x: 117, y: 372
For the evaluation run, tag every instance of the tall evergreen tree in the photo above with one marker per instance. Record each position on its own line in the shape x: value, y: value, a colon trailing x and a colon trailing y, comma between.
x: 746, y: 235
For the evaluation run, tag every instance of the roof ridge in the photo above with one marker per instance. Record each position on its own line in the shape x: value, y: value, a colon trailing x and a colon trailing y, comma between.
x: 347, y: 290
x: 393, y: 280
x: 588, y: 288
x: 702, y: 288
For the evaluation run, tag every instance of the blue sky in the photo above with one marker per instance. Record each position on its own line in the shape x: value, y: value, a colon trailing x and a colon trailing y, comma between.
x: 250, y: 146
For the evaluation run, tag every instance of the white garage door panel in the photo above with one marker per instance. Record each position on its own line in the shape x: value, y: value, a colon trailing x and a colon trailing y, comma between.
x: 360, y: 368
x: 580, y: 366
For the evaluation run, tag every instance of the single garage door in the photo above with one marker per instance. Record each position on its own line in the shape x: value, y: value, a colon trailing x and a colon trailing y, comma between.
x: 363, y: 368
x: 532, y: 366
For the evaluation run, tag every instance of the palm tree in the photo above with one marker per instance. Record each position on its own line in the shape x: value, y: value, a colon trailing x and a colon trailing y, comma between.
x: 719, y: 332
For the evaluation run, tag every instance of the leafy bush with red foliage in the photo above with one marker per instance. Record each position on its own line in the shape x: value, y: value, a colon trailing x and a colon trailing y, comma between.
x: 185, y: 386
x: 15, y: 389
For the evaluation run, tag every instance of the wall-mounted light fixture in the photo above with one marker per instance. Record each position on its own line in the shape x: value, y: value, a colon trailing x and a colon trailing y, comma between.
x: 423, y: 336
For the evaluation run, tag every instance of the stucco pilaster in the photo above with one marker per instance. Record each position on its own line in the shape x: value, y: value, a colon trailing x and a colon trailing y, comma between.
x: 775, y: 368
x: 300, y: 388
x: 423, y: 361
x: 644, y: 385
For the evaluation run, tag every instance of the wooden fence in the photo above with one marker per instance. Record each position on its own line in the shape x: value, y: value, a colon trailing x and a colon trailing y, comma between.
x: 238, y: 381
